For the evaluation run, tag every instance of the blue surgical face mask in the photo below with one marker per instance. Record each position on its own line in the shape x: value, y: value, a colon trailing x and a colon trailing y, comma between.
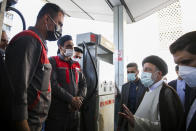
x: 189, y: 75
x: 131, y: 76
x: 146, y: 79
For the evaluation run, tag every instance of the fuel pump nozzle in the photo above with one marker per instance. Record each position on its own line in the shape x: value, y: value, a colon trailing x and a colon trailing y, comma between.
x: 9, y: 8
x: 87, y: 52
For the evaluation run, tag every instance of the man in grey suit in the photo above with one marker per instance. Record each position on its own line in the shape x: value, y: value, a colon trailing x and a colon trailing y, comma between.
x: 132, y: 93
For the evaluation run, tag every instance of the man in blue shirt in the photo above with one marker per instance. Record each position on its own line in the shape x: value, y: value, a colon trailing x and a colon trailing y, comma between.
x: 132, y: 93
x: 181, y: 88
x: 184, y: 54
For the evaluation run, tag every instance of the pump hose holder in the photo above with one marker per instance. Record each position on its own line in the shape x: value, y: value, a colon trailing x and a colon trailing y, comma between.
x: 96, y: 75
x: 9, y: 8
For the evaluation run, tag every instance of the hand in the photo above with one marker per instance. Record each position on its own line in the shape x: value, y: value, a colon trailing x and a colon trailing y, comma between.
x: 76, y: 103
x: 127, y: 115
x: 81, y: 98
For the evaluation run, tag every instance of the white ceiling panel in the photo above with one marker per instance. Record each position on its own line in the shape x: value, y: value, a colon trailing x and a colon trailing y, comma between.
x: 143, y: 8
x: 86, y: 9
x: 70, y: 8
x: 100, y: 10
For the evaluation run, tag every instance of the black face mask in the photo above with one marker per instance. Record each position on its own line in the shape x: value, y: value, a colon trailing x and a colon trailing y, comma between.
x: 55, y: 34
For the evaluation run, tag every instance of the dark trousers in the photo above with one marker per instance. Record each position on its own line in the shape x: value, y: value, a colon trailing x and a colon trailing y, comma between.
x: 69, y: 123
x: 35, y: 127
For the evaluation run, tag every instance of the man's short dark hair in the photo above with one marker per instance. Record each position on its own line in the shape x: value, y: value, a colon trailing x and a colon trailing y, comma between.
x: 77, y: 49
x: 3, y: 31
x: 51, y: 9
x: 186, y: 42
x: 177, y: 68
x: 63, y: 39
x: 132, y: 65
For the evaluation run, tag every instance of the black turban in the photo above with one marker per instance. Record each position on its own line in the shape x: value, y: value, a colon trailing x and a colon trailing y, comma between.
x: 77, y: 49
x: 63, y: 39
x: 158, y: 62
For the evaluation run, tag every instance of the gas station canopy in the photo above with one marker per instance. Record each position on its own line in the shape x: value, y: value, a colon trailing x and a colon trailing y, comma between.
x: 118, y: 12
x: 102, y: 10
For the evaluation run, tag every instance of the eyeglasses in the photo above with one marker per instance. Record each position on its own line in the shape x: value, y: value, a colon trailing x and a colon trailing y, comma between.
x: 60, y: 25
x: 57, y: 27
x: 52, y: 20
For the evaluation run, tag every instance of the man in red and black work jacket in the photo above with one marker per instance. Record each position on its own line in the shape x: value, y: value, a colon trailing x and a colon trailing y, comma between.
x: 29, y: 70
x: 68, y: 89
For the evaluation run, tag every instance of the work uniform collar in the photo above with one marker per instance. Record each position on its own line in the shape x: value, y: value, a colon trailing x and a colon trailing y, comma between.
x: 39, y: 34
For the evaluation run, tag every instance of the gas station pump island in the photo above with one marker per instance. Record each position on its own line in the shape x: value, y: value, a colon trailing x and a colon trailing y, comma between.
x: 99, y: 71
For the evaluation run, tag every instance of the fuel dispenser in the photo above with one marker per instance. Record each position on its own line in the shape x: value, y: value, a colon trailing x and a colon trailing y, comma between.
x: 98, y: 109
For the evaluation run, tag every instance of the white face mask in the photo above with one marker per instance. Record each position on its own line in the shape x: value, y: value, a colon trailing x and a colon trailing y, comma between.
x: 188, y: 73
x: 76, y: 59
x: 68, y: 52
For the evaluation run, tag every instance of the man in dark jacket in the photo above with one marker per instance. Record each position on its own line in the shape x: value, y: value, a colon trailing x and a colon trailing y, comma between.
x: 29, y: 69
x: 182, y: 89
x: 131, y: 94
x: 184, y: 54
x: 160, y: 109
x: 4, y: 96
x: 68, y: 89
x: 3, y: 43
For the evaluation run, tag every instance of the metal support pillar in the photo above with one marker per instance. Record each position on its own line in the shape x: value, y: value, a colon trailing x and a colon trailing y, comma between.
x: 119, y: 23
x: 3, y: 7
